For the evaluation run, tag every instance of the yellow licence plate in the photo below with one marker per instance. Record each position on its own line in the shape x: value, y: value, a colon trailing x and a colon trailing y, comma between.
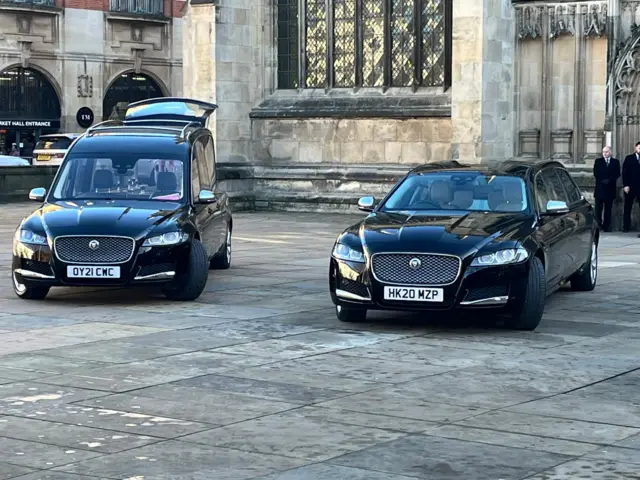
x: 44, y: 158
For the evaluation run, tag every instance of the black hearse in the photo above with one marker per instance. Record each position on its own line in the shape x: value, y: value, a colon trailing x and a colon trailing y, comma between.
x: 134, y: 202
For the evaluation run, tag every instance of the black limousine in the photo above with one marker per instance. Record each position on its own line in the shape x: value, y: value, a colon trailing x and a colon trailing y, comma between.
x: 452, y: 236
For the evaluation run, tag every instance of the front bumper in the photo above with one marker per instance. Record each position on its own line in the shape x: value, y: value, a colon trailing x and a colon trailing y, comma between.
x: 352, y: 284
x: 36, y: 265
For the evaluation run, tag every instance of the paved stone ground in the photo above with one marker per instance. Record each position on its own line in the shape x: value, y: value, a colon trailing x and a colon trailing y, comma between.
x: 259, y: 380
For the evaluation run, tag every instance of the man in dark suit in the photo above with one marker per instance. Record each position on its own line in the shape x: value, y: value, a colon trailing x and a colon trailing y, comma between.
x: 631, y: 184
x: 606, y: 171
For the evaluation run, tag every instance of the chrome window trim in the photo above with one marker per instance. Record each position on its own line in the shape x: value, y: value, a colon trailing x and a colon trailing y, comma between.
x: 373, y: 272
x: 133, y: 249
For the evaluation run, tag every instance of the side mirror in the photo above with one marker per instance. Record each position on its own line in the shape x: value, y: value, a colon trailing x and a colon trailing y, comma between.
x: 38, y: 194
x: 556, y: 207
x: 366, y: 204
x: 206, y: 196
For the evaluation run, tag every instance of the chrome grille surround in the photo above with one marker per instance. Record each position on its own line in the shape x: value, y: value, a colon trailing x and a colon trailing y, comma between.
x: 436, y: 269
x: 112, y: 250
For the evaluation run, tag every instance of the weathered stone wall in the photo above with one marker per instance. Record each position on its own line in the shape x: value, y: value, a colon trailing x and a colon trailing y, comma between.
x: 561, y: 77
x: 17, y: 182
x: 352, y: 141
x: 245, y: 64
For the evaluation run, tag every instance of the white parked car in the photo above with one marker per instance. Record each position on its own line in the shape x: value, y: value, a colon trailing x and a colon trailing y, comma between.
x: 50, y: 149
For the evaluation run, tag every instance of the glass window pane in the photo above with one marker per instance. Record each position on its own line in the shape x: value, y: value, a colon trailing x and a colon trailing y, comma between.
x: 316, y: 50
x: 433, y: 58
x: 344, y: 43
x: 287, y: 44
x: 373, y: 45
x: 402, y: 43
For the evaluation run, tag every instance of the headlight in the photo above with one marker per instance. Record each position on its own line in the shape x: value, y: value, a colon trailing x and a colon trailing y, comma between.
x: 171, y: 238
x: 501, y: 257
x: 27, y: 236
x: 344, y: 252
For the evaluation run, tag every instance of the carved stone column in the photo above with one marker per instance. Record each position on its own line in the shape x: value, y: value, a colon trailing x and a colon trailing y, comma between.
x: 482, y: 80
x: 199, y: 53
x: 562, y: 145
x: 593, y: 144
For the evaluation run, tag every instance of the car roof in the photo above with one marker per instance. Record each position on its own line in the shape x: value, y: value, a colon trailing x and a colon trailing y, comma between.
x: 506, y: 167
x: 132, y: 141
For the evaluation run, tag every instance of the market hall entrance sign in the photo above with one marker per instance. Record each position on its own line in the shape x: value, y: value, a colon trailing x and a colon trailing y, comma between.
x: 29, y: 123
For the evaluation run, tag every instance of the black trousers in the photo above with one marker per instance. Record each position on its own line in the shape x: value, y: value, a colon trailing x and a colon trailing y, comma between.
x: 606, y: 204
x: 628, y: 206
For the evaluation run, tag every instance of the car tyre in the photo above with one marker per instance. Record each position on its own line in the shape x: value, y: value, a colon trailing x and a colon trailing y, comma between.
x: 222, y: 260
x: 585, y: 279
x: 28, y: 293
x: 190, y: 284
x: 349, y: 314
x: 526, y: 315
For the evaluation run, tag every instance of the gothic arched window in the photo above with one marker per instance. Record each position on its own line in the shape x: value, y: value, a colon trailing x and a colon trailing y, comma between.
x: 364, y: 43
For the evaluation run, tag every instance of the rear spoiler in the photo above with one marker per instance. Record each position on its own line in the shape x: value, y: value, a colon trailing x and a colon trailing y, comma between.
x: 169, y: 111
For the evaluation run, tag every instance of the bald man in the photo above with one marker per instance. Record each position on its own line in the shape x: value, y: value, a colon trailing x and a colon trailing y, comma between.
x: 606, y: 171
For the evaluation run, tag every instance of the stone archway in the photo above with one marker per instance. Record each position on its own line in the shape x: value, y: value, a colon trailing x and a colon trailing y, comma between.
x: 127, y: 88
x: 625, y: 85
x: 28, y: 95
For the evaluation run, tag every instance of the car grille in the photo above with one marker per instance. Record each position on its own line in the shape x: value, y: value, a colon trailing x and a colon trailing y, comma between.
x: 434, y: 269
x: 110, y: 249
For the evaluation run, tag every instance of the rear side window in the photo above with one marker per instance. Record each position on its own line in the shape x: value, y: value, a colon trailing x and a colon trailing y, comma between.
x: 53, y: 143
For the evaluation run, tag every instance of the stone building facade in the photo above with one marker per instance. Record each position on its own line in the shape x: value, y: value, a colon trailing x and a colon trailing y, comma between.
x: 57, y: 56
x: 323, y: 100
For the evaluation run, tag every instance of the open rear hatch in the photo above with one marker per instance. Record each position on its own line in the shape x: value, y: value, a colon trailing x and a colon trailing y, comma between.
x: 169, y: 111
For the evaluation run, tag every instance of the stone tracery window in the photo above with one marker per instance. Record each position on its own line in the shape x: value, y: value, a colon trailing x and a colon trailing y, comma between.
x: 364, y: 43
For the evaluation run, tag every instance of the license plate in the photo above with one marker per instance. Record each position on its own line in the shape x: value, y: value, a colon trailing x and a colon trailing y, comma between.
x: 414, y: 294
x: 92, y: 272
x: 44, y: 158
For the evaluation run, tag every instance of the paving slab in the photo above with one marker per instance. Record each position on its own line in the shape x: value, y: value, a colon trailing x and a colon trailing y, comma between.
x: 173, y: 460
x: 259, y: 379
x: 299, y: 436
x: 70, y: 436
x: 447, y: 459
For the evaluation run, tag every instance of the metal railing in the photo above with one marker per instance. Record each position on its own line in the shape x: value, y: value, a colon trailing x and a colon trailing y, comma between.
x: 34, y: 3
x: 138, y: 7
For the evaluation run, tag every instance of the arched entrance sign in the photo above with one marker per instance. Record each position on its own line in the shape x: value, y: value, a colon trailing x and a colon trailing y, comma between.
x: 29, y: 107
x: 127, y: 88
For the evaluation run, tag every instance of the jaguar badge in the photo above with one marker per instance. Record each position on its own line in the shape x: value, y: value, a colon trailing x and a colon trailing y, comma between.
x: 94, y: 244
x: 415, y: 263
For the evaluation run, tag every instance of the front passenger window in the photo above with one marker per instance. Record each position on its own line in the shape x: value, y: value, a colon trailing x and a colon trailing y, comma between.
x: 554, y: 185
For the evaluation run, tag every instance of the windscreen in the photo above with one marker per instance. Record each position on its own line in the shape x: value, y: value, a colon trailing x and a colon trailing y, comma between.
x: 53, y: 143
x: 130, y: 177
x: 469, y: 191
